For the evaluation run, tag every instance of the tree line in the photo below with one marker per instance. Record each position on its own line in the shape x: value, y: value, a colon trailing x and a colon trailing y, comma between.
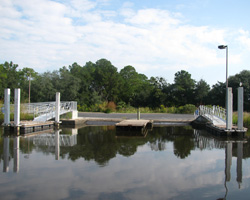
x: 100, y: 83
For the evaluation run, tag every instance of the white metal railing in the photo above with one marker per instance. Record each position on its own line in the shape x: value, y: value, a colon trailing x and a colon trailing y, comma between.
x: 210, y: 112
x: 44, y: 111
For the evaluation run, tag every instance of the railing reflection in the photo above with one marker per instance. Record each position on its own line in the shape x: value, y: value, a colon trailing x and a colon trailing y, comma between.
x: 56, y: 140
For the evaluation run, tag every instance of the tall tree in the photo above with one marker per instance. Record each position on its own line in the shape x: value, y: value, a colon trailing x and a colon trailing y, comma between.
x: 107, y: 80
x: 201, y: 91
x: 129, y: 83
x: 217, y: 95
x: 157, y: 96
x: 26, y: 75
x: 69, y: 85
x: 42, y: 88
x: 183, y: 89
x: 243, y: 79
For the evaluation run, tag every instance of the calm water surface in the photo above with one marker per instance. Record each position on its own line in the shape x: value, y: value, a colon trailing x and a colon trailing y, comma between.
x: 95, y: 162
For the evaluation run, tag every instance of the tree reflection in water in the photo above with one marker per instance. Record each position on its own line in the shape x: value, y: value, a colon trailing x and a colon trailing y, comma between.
x: 101, y: 144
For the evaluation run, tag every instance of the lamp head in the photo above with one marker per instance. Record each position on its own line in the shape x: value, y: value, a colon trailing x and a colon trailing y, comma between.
x: 222, y: 46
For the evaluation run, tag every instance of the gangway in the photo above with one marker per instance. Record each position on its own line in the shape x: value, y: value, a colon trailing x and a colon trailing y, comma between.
x: 215, y: 118
x: 214, y: 114
x: 44, y: 111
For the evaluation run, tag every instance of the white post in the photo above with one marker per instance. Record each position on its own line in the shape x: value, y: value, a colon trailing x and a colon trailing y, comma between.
x: 240, y: 108
x: 17, y: 107
x: 229, y: 120
x: 6, y: 106
x: 57, y: 117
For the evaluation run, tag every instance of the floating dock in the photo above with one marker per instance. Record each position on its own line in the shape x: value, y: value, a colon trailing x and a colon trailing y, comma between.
x: 217, y: 128
x: 221, y: 130
x: 30, y: 127
x: 134, y: 123
x: 133, y: 127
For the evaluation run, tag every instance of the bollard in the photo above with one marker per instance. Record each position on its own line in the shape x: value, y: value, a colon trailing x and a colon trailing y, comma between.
x: 138, y: 114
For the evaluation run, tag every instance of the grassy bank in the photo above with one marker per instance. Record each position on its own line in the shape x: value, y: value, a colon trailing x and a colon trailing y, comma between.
x: 246, y: 119
x: 108, y: 107
x: 23, y: 116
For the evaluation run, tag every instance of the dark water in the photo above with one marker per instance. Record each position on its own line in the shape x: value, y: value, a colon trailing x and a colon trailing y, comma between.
x: 94, y: 163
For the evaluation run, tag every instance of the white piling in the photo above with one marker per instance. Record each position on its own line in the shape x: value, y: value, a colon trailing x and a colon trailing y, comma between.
x: 240, y: 108
x: 74, y: 114
x: 17, y: 107
x: 57, y: 117
x: 6, y: 106
x: 229, y: 120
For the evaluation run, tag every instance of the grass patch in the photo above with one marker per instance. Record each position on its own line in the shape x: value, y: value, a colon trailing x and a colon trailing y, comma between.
x: 66, y: 116
x: 246, y: 119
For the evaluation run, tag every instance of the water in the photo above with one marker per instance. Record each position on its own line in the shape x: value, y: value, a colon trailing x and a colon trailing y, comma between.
x: 94, y: 163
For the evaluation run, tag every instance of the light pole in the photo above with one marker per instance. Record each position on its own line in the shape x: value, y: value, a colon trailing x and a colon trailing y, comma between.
x: 228, y: 101
x: 29, y: 85
x: 225, y: 47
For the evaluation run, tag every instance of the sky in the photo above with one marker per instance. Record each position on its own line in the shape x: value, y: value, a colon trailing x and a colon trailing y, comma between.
x: 156, y: 37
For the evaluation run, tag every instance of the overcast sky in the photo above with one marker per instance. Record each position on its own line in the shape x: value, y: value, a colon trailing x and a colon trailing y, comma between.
x: 157, y: 37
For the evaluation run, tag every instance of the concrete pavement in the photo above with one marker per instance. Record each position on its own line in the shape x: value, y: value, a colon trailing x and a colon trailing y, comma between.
x: 156, y: 117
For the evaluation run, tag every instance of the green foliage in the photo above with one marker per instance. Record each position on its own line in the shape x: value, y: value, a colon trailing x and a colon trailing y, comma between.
x: 94, y: 83
x: 187, y: 109
x: 66, y: 116
x: 246, y: 119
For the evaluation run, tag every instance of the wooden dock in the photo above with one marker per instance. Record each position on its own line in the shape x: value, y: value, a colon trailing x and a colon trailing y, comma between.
x: 133, y: 127
x: 29, y: 127
x: 134, y: 123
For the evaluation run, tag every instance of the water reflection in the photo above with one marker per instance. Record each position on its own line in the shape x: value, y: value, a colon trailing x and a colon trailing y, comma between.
x: 100, y: 145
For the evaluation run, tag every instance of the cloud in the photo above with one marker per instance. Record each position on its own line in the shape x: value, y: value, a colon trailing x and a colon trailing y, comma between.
x: 244, y: 38
x: 47, y: 35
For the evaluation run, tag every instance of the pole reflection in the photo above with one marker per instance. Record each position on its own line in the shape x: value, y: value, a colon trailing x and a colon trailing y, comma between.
x: 16, y: 154
x: 57, y: 144
x: 7, y: 156
x: 228, y: 163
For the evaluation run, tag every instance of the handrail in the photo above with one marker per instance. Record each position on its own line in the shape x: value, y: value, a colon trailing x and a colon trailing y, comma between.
x: 47, y: 109
x: 211, y: 112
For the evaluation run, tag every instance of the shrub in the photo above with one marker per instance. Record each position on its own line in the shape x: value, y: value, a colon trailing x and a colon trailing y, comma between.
x: 121, y: 105
x: 111, y: 106
x: 187, y: 109
x: 163, y: 109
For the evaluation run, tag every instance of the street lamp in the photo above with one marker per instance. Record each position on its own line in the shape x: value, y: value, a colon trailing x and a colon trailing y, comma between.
x: 225, y: 47
x: 229, y: 114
